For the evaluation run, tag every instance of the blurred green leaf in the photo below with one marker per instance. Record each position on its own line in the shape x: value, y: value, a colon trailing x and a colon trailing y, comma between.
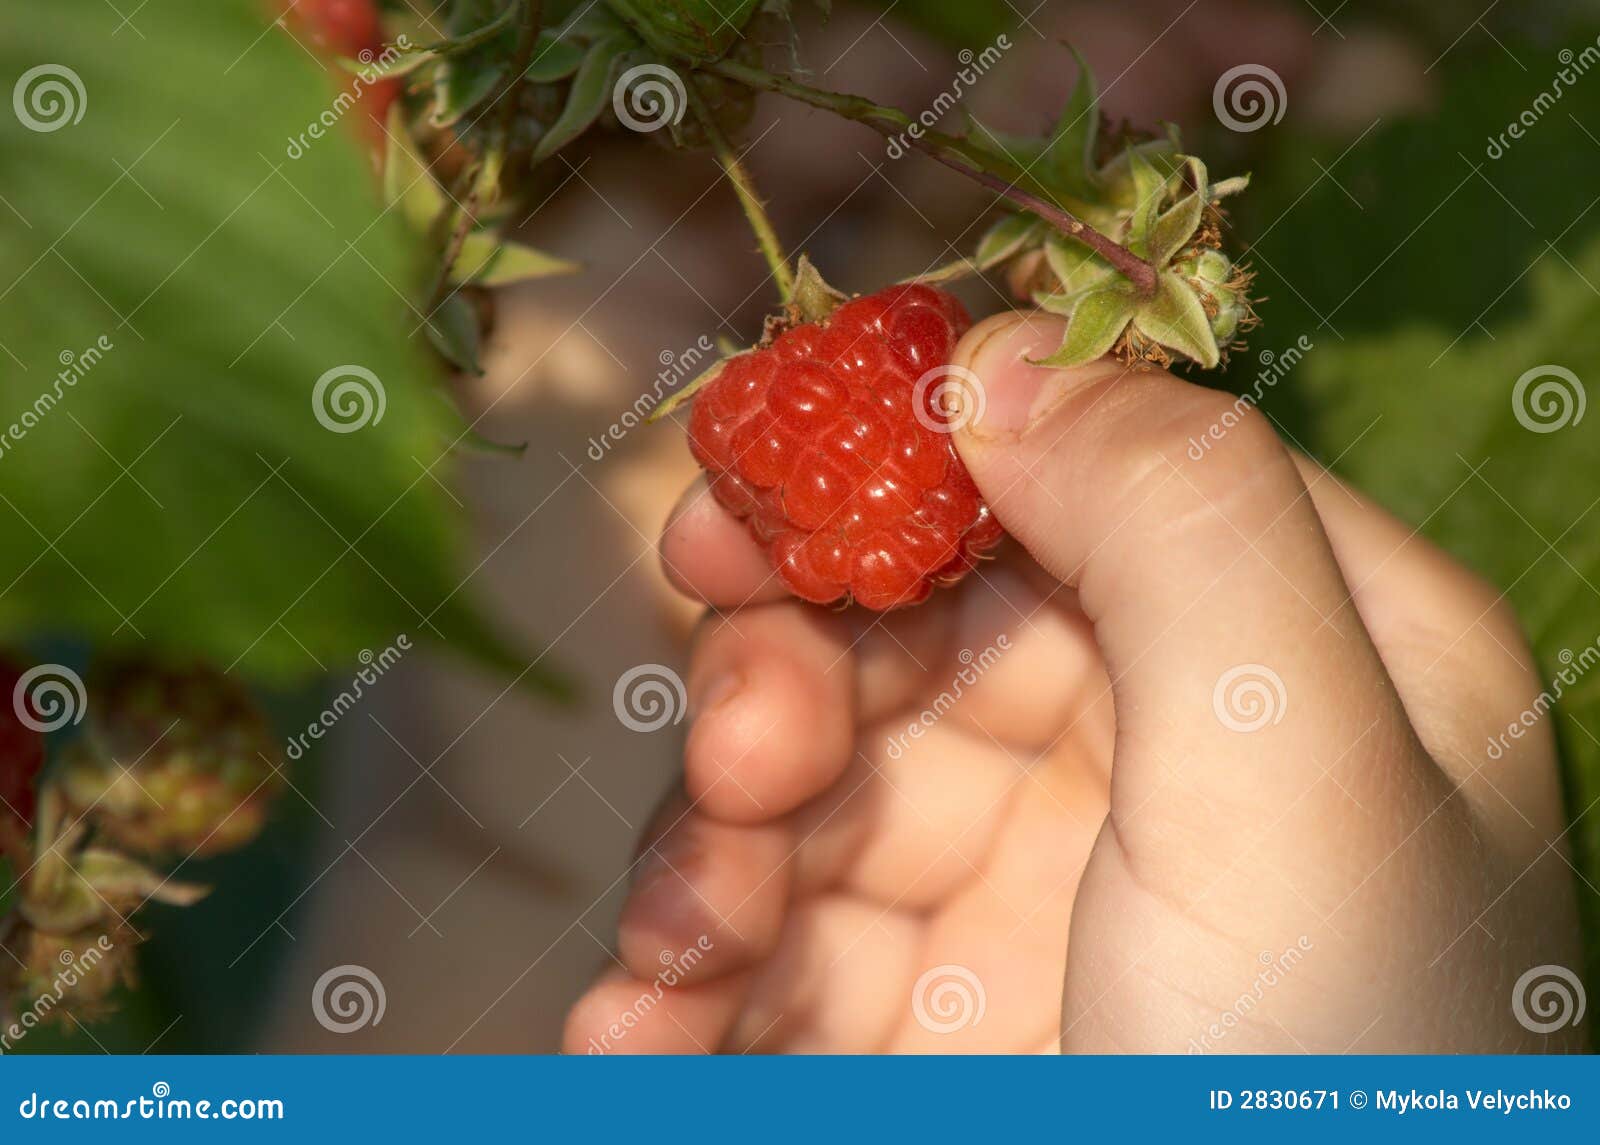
x: 186, y: 262
x: 465, y: 78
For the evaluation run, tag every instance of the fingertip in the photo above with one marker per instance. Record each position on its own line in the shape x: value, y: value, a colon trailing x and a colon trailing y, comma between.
x: 776, y: 726
x: 709, y: 555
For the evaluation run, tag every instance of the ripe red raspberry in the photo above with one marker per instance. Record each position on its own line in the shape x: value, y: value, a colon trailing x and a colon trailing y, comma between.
x: 816, y: 443
x: 21, y: 752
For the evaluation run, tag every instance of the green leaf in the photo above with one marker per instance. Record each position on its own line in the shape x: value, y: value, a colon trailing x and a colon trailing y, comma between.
x: 464, y: 79
x: 180, y: 491
x: 1070, y: 155
x: 1426, y: 419
x: 590, y: 95
x: 1175, y: 228
x: 488, y: 260
x: 1075, y: 266
x: 8, y: 891
x: 453, y: 330
x: 407, y: 182
x: 553, y: 60
x: 1175, y: 318
x: 1096, y: 319
x: 1149, y: 188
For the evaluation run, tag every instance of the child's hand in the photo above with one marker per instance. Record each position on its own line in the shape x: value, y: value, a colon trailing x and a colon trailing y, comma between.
x: 1290, y: 834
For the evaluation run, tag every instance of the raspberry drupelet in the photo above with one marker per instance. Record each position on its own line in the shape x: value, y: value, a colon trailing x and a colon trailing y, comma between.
x: 817, y: 443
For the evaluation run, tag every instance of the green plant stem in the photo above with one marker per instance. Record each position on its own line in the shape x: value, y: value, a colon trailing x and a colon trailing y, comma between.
x: 754, y: 210
x: 954, y: 153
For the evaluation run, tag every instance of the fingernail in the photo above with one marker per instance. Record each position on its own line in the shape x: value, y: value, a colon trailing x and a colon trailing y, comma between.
x: 1016, y: 393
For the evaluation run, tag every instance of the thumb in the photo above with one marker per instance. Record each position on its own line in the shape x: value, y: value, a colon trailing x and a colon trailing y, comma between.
x: 1241, y: 670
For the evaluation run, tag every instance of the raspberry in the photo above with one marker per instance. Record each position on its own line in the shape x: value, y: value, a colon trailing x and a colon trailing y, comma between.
x: 816, y: 443
x: 21, y: 752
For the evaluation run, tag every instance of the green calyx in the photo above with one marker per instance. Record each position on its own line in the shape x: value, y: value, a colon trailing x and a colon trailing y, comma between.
x: 1169, y: 292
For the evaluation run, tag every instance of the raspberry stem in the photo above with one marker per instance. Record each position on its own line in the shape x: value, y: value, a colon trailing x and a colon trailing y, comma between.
x: 754, y: 210
x: 954, y: 153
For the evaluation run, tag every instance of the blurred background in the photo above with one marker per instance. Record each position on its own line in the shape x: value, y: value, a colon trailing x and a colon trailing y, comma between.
x: 1422, y: 213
